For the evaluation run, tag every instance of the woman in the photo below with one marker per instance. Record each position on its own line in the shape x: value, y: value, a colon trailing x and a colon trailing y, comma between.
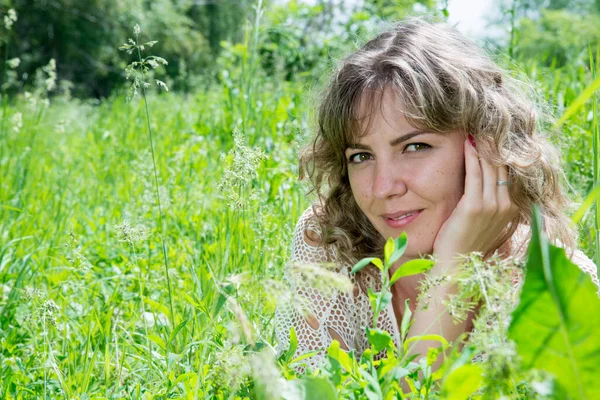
x: 418, y: 131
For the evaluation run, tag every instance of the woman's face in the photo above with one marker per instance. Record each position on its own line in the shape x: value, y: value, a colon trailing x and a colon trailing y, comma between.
x: 406, y: 179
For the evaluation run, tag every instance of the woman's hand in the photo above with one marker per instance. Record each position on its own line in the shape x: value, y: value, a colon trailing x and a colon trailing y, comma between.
x: 482, y: 213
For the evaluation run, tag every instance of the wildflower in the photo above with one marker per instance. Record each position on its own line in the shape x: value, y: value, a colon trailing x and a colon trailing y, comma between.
x: 132, y: 234
x: 30, y: 293
x: 48, y: 311
x: 60, y: 127
x: 74, y: 255
x: 322, y: 277
x: 230, y: 366
x: 152, y: 319
x: 14, y: 62
x: 9, y: 19
x: 50, y: 81
x: 162, y: 85
x: 136, y: 70
x: 267, y: 378
x: 17, y: 122
x: 241, y: 167
x: 243, y: 321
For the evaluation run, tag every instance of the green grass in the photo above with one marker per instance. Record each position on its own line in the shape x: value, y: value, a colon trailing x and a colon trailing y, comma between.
x: 77, y: 171
x: 64, y: 194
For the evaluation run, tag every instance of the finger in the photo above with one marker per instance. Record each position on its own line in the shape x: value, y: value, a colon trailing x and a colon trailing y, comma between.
x: 473, y: 176
x: 490, y: 186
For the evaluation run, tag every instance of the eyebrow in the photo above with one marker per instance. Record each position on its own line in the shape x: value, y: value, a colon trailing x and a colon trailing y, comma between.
x: 395, y: 142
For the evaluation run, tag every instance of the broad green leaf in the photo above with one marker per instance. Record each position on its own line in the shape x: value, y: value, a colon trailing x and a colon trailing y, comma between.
x: 462, y: 382
x: 316, y: 387
x: 335, y: 352
x: 556, y: 325
x: 156, y: 306
x: 399, y: 248
x: 388, y: 250
x: 361, y: 264
x: 412, y: 267
x: 379, y: 339
x: 436, y: 338
x: 187, y: 376
x: 158, y: 340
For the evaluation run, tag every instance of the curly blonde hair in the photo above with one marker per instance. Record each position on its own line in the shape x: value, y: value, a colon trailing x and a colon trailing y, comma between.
x: 444, y: 83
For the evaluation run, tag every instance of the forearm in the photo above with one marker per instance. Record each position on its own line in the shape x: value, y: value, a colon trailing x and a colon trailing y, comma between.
x: 432, y: 317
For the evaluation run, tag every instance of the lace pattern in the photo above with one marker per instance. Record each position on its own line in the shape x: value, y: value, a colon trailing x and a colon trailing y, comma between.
x: 320, y: 314
x: 325, y: 316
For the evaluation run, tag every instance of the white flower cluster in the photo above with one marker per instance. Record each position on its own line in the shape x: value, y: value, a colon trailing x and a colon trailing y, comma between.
x: 9, y: 19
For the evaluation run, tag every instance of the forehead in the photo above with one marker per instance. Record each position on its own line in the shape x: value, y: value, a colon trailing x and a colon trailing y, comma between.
x: 374, y: 109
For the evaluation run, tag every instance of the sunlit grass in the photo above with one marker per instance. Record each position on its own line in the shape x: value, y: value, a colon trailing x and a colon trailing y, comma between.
x: 77, y: 196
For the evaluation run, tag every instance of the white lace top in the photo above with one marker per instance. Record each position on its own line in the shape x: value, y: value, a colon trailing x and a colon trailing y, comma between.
x: 332, y: 314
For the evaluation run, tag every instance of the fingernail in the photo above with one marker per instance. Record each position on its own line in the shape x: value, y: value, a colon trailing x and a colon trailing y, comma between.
x: 472, y: 141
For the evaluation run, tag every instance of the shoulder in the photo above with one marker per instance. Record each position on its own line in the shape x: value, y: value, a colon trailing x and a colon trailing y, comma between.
x: 307, y: 244
x: 586, y: 265
x: 520, y: 242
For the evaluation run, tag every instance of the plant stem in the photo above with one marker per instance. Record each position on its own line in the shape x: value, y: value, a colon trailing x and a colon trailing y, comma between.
x: 596, y: 164
x: 162, y: 217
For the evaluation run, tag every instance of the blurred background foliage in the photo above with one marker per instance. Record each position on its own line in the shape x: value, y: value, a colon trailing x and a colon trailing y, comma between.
x: 298, y: 40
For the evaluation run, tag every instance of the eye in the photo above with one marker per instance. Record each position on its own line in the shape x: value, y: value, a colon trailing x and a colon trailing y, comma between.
x: 416, y: 147
x: 358, y: 158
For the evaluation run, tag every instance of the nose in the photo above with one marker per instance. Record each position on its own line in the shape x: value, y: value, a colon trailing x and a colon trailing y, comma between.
x: 388, y: 181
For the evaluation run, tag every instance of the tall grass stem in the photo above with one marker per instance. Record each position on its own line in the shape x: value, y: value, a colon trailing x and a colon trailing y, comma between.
x: 160, y: 211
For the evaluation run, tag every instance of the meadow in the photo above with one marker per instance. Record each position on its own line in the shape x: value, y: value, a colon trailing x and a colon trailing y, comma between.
x: 103, y: 295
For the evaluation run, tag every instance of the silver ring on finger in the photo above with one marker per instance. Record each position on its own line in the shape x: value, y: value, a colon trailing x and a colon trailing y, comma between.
x: 503, y: 183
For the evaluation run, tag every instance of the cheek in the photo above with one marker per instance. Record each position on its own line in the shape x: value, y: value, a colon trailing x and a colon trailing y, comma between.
x: 454, y: 177
x: 359, y: 187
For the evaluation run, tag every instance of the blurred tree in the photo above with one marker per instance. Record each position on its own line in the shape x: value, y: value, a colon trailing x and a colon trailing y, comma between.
x: 398, y: 9
x: 83, y: 37
x: 220, y: 20
x: 558, y: 37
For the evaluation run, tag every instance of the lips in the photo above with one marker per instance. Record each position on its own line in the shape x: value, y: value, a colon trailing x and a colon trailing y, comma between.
x: 401, y: 219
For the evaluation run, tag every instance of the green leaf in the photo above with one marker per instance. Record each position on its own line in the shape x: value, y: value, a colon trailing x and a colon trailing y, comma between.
x: 580, y: 101
x: 412, y: 267
x: 304, y: 356
x: 383, y: 301
x: 462, y: 382
x: 361, y: 264
x: 158, y: 340
x: 388, y: 250
x: 335, y: 352
x: 586, y: 205
x: 293, y: 345
x: 556, y: 324
x: 436, y: 338
x: 372, y: 389
x: 406, y: 320
x: 432, y: 355
x: 380, y: 340
x: 377, y: 262
x: 399, y: 248
x: 314, y: 387
x: 177, y: 329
